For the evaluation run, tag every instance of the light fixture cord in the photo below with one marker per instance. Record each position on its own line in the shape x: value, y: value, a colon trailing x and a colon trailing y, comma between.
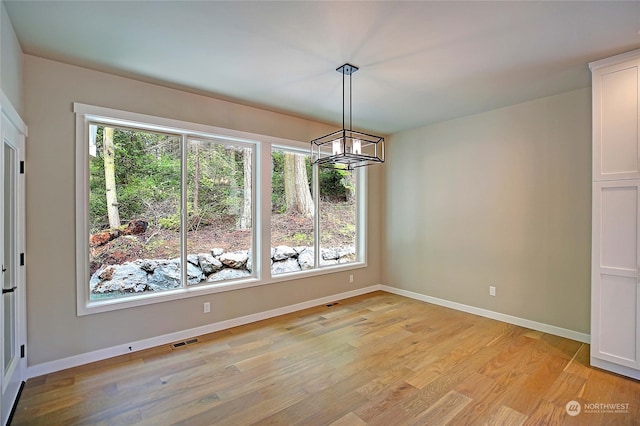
x: 343, y: 99
x: 350, y: 102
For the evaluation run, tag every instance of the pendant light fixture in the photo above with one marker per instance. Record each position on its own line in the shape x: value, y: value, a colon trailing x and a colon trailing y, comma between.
x: 347, y: 148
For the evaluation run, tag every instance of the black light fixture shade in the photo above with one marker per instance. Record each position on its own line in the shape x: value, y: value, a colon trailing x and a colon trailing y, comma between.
x: 347, y: 148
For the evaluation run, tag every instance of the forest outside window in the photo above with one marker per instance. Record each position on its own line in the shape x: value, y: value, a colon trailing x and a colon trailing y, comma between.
x: 167, y: 208
x: 136, y: 196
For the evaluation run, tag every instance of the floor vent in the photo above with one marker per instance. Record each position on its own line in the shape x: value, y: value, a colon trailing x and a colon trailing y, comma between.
x: 184, y: 343
x: 328, y: 305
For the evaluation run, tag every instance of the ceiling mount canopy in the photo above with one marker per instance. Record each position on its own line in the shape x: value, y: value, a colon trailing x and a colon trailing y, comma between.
x: 347, y: 148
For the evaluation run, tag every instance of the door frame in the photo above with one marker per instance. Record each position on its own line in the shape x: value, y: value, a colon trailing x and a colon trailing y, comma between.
x: 10, y: 121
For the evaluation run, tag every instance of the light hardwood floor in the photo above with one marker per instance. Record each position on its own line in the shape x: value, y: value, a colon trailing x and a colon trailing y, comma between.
x: 377, y: 359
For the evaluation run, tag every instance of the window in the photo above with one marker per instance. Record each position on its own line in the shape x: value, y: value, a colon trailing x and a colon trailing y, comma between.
x: 219, y: 206
x: 292, y: 211
x: 168, y: 208
x: 338, y: 216
x: 134, y: 211
x: 295, y: 234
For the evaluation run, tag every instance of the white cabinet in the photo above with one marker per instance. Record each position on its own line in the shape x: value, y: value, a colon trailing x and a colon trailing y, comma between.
x: 615, y: 286
x: 616, y: 118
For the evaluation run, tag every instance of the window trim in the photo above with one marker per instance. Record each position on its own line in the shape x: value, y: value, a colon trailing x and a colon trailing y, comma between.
x: 261, y: 208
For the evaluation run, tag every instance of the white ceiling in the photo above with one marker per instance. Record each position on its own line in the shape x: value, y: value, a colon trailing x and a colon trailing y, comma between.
x: 420, y: 62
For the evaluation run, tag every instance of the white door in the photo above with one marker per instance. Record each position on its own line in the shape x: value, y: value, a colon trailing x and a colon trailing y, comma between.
x: 615, y: 293
x: 12, y: 308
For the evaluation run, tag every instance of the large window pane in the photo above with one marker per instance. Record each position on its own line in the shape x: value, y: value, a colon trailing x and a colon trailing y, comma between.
x: 292, y: 212
x: 134, y: 211
x: 337, y: 219
x: 219, y: 227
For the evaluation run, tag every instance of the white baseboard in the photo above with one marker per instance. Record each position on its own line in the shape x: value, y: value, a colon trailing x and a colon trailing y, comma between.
x: 101, y: 354
x: 76, y: 360
x: 522, y: 322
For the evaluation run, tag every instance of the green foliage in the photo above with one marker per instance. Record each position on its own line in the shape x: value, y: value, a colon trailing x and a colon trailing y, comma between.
x: 147, y: 167
x: 220, y: 182
x: 302, y: 239
x: 336, y: 184
x: 148, y: 179
x: 171, y: 223
x: 148, y: 176
x: 348, y: 229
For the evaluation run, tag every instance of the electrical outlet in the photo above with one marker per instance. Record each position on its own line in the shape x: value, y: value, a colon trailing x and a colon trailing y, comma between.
x: 351, y: 278
x: 492, y: 290
x: 207, y: 307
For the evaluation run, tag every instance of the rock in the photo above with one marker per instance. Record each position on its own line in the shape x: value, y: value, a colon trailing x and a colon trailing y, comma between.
x: 346, y: 254
x: 136, y: 227
x: 132, y: 287
x: 329, y: 253
x: 194, y: 274
x: 127, y: 277
x: 217, y: 251
x: 305, y: 259
x: 235, y: 260
x: 144, y: 275
x: 228, y: 274
x: 149, y: 265
x: 208, y: 263
x: 284, y: 266
x: 165, y: 276
x: 106, y: 274
x: 282, y: 253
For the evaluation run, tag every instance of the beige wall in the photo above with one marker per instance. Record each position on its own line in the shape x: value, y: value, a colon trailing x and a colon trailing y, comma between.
x: 501, y: 198
x: 54, y: 330
x: 10, y: 62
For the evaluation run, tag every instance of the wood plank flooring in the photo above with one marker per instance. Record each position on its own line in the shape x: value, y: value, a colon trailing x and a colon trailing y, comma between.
x: 377, y: 359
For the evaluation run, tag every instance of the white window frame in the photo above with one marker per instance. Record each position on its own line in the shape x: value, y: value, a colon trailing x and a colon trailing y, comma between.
x: 315, y: 192
x: 261, y: 208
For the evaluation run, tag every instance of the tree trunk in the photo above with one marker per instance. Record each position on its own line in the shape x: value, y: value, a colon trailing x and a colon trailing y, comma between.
x: 289, y: 181
x: 110, y: 178
x: 245, y: 219
x: 296, y: 185
x: 196, y: 177
x: 233, y: 201
x: 304, y: 202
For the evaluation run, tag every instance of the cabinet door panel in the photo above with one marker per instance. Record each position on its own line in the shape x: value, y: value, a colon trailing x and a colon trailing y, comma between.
x: 616, y: 153
x: 619, y: 221
x: 618, y: 310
